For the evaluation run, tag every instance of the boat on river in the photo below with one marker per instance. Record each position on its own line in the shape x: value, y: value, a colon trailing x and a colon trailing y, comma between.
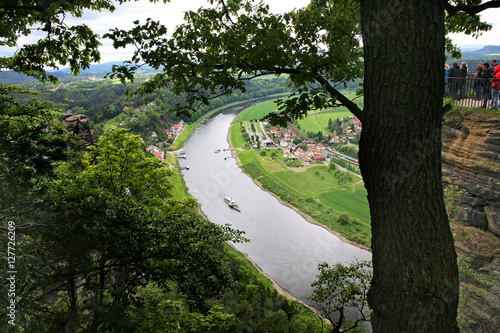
x: 231, y: 203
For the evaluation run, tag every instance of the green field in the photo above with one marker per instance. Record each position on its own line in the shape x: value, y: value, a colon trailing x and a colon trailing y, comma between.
x: 315, y: 179
x: 236, y: 138
x: 326, y: 212
x: 179, y: 189
x: 316, y: 191
x: 351, y: 200
x: 319, y: 121
x: 257, y: 112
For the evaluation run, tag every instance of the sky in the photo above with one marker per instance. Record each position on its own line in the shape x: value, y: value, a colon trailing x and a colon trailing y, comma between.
x: 172, y: 14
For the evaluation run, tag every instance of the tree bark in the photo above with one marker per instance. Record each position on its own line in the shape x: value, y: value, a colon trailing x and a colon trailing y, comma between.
x: 415, y: 282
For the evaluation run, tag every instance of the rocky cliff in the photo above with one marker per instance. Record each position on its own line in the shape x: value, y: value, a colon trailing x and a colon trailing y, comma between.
x: 471, y: 161
x: 79, y: 125
x: 479, y: 262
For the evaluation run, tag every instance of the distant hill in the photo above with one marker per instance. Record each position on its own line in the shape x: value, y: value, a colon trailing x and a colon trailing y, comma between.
x: 11, y: 77
x: 473, y: 56
x: 95, y: 69
x: 487, y: 51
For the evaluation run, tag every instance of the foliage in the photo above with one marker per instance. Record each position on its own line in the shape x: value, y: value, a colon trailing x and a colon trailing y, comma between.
x: 31, y: 141
x: 339, y: 287
x: 154, y: 308
x: 348, y: 150
x: 459, y: 21
x: 206, y: 66
x: 108, y: 224
x: 105, y: 227
x: 452, y: 193
x: 62, y: 44
x: 293, y: 163
x: 346, y: 164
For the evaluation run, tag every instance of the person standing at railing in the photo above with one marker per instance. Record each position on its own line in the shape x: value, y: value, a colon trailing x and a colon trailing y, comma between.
x: 485, y: 80
x: 446, y: 74
x: 453, y: 78
x: 461, y: 82
x: 477, y: 83
x: 495, y: 85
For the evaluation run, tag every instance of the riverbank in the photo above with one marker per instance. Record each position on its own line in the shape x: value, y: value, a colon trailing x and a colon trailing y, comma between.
x: 235, y: 152
x: 323, y: 194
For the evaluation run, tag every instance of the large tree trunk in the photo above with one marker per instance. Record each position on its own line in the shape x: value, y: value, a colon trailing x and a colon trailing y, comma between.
x: 415, y: 282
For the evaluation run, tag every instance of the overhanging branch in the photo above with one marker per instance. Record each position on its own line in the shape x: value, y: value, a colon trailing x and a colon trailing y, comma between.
x: 471, y: 10
x: 350, y: 105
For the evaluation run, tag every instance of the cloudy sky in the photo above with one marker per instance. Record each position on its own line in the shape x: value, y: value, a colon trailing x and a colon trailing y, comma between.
x: 172, y: 14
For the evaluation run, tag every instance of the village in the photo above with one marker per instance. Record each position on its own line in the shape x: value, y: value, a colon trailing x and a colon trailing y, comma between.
x: 261, y: 134
x: 172, y: 133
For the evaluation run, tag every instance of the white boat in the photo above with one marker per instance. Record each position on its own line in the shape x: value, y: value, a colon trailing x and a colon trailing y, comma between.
x: 231, y: 203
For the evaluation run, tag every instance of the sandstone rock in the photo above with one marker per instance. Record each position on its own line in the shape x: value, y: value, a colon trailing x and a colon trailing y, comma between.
x: 480, y: 293
x: 493, y: 216
x: 471, y: 161
x: 78, y: 124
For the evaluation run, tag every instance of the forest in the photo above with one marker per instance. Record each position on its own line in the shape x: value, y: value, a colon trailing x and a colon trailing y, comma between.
x: 105, y: 100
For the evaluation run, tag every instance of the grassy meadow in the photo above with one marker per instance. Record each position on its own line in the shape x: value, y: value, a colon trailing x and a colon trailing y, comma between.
x: 257, y: 112
x: 318, y: 121
x: 179, y: 189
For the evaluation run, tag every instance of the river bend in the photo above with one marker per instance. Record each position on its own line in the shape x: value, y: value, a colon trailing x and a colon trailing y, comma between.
x: 282, y: 243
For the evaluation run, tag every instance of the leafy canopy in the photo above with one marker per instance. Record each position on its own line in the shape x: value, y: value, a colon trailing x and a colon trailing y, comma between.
x: 61, y: 44
x: 218, y: 49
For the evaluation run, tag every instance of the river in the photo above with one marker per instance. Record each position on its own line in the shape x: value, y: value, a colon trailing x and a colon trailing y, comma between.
x: 282, y: 243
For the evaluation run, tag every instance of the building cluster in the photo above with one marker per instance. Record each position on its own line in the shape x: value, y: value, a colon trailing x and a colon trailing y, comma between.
x: 176, y: 129
x: 313, y: 153
x: 309, y: 151
x: 160, y: 155
x: 351, y: 129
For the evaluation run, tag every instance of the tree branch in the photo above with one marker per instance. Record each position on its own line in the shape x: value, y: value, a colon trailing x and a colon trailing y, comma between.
x: 225, y: 12
x: 471, y: 10
x: 350, y: 105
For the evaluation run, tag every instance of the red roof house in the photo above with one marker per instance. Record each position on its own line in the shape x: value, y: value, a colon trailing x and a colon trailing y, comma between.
x: 319, y: 157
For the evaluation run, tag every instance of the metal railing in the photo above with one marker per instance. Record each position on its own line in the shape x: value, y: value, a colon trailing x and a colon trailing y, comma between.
x: 469, y: 91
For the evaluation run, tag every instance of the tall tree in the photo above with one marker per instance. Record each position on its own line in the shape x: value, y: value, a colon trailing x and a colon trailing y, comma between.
x: 415, y: 283
x: 339, y: 289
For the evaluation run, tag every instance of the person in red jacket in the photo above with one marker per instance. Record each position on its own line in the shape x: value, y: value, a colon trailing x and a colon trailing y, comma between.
x: 495, y: 85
